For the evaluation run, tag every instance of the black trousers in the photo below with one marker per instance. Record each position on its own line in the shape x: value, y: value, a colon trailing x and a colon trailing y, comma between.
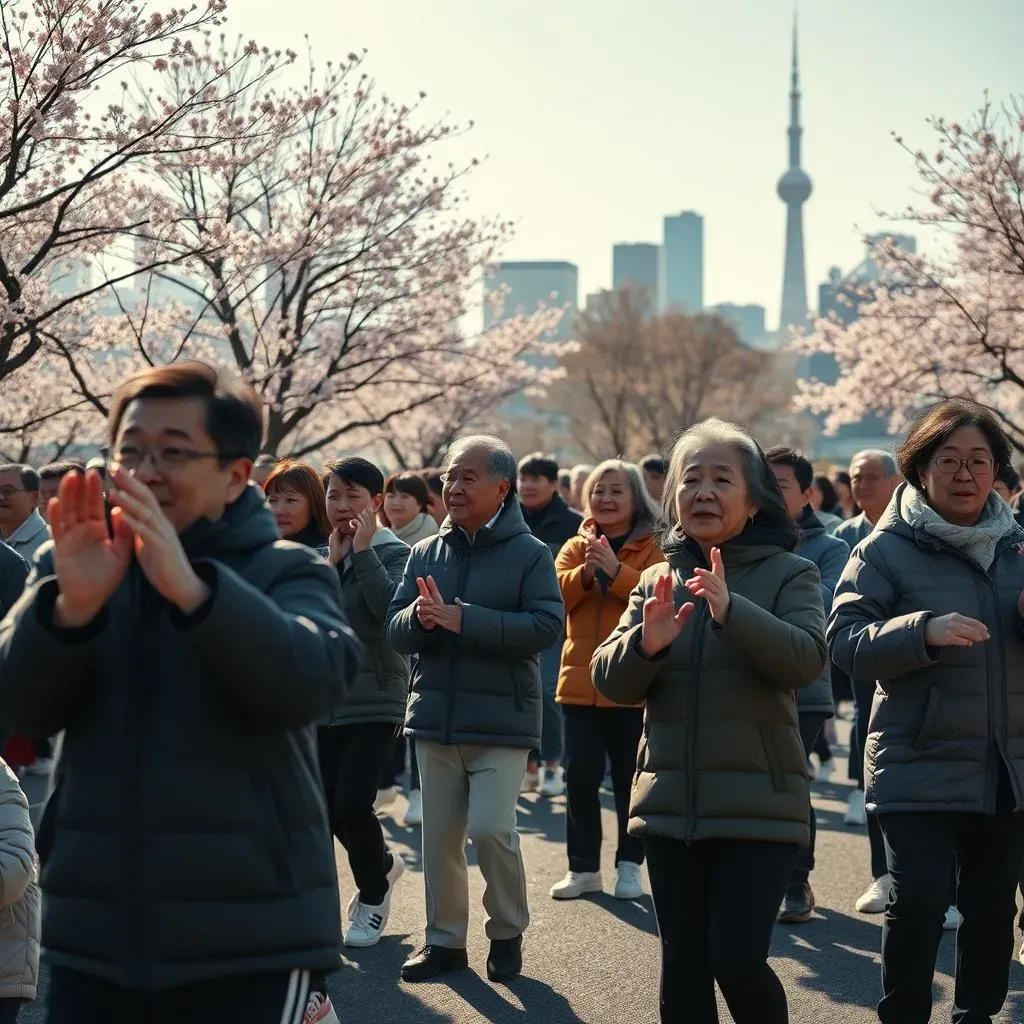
x: 279, y: 997
x: 811, y: 723
x: 352, y: 762
x: 592, y: 736
x: 988, y: 851
x: 9, y: 1010
x: 716, y: 902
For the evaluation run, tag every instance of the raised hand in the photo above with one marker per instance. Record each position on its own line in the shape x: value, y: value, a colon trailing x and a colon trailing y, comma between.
x: 662, y: 623
x: 156, y: 543
x: 710, y: 584
x: 600, y: 556
x: 431, y: 609
x: 363, y: 527
x: 338, y: 546
x: 954, y: 630
x: 89, y: 564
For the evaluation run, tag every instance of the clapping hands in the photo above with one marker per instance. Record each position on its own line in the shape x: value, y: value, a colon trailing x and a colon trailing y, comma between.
x: 710, y: 584
x: 431, y: 610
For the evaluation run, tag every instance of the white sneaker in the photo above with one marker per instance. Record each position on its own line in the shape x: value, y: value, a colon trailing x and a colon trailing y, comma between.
x: 368, y: 923
x: 554, y: 782
x: 953, y: 920
x: 875, y: 898
x: 414, y: 812
x: 40, y: 766
x: 826, y: 770
x: 812, y: 771
x: 855, y: 813
x: 396, y: 872
x: 629, y: 882
x: 320, y: 1010
x: 531, y: 780
x: 385, y: 798
x: 575, y: 884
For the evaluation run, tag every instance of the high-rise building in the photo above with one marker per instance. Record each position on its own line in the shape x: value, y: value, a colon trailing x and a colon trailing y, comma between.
x: 747, y: 321
x: 794, y: 190
x: 635, y: 265
x: 682, y: 263
x: 528, y: 284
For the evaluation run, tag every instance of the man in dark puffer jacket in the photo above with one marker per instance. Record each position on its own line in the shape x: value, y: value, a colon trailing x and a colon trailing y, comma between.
x: 190, y: 875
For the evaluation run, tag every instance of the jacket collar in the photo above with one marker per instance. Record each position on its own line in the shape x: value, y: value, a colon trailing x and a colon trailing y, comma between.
x: 31, y: 527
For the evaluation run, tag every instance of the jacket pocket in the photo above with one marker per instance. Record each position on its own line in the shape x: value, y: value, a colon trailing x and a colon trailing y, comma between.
x: 771, y: 755
x: 277, y: 838
x: 931, y: 714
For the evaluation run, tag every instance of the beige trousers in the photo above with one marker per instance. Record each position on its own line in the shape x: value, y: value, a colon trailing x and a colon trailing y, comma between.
x: 471, y: 791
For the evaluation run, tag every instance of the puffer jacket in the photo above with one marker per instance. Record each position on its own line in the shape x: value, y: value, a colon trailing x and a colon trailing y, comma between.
x: 591, y: 614
x: 202, y: 850
x: 481, y: 685
x: 369, y: 580
x: 830, y: 555
x: 721, y: 755
x: 944, y: 719
x: 19, y: 893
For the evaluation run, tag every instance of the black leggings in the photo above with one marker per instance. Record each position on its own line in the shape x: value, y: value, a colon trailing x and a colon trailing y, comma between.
x: 716, y: 902
x: 352, y: 760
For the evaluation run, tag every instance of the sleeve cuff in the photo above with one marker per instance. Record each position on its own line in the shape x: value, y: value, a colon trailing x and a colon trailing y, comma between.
x: 638, y: 649
x: 74, y: 636
x: 207, y: 572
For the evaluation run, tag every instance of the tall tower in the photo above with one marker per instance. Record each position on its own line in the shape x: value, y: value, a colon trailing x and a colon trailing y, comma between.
x: 794, y: 190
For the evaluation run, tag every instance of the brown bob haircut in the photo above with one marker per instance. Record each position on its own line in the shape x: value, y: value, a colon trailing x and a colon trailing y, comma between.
x: 234, y: 412
x: 302, y: 478
x: 935, y: 425
x: 409, y: 483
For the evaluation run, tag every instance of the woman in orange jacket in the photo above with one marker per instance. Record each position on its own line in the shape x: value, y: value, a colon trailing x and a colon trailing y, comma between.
x: 597, y: 570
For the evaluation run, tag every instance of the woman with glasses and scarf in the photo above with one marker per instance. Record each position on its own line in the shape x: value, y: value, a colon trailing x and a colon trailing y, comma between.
x: 930, y: 606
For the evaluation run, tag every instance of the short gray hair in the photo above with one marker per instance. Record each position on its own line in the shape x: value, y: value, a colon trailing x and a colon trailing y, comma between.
x: 647, y: 513
x: 501, y: 463
x: 886, y: 459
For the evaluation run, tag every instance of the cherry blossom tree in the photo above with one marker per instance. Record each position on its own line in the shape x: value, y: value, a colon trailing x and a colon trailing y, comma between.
x: 952, y: 324
x: 323, y: 255
x: 75, y: 135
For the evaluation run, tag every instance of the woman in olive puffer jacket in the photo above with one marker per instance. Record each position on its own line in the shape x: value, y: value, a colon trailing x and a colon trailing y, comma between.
x: 717, y: 645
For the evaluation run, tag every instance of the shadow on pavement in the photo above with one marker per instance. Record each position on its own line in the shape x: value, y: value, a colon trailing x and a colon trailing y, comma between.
x: 540, y: 1002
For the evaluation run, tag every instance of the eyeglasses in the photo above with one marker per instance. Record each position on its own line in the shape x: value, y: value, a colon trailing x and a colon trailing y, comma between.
x: 164, y: 457
x: 977, y: 465
x: 9, y: 492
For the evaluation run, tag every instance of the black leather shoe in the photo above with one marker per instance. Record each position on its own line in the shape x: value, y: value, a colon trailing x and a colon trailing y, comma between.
x: 505, y: 960
x: 433, y: 961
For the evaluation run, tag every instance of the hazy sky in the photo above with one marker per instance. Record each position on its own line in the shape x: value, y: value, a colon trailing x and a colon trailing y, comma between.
x: 597, y: 117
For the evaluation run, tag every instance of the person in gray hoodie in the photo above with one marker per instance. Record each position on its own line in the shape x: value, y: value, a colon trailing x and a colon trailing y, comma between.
x: 358, y: 742
x: 930, y: 606
x: 795, y: 475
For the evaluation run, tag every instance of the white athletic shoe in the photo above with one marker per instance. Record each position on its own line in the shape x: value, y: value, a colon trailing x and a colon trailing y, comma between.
x: 826, y: 769
x: 875, y: 898
x: 553, y: 782
x: 414, y: 812
x: 576, y: 884
x: 396, y: 872
x: 855, y: 813
x: 953, y: 919
x: 368, y: 922
x: 629, y: 881
x: 385, y: 798
x: 812, y: 770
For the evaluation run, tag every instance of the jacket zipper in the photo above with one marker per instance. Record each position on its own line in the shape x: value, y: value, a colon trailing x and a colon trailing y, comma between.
x: 464, y: 574
x: 698, y: 623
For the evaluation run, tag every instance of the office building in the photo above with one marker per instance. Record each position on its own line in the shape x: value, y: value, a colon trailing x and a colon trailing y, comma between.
x: 682, y: 263
x: 522, y: 286
x: 747, y: 321
x: 635, y: 265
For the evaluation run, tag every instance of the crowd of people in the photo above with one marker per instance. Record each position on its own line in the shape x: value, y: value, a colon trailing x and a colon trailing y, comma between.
x: 267, y: 645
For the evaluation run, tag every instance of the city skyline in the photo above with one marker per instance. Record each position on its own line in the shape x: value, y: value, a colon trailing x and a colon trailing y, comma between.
x: 593, y: 126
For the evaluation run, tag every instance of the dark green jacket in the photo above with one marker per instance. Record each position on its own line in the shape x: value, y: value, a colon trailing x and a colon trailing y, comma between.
x: 481, y: 685
x: 943, y: 719
x: 721, y: 756
x: 186, y: 838
x: 369, y: 580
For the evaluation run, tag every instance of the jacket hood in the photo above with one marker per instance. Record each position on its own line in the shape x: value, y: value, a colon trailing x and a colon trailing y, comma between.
x: 247, y: 524
x: 510, y: 523
x: 384, y: 538
x: 756, y: 543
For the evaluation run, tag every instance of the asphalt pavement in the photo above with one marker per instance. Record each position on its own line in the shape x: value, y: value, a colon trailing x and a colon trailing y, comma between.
x: 595, y: 960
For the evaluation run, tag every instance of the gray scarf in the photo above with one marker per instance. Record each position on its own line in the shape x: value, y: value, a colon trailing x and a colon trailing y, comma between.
x: 978, y: 542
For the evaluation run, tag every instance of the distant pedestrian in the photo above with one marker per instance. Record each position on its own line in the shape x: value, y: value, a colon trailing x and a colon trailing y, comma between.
x: 435, y: 500
x: 552, y: 521
x: 579, y: 475
x: 186, y: 857
x: 716, y: 643
x: 653, y: 468
x: 597, y: 571
x: 478, y: 604
x: 50, y: 477
x: 21, y: 525
x: 824, y: 502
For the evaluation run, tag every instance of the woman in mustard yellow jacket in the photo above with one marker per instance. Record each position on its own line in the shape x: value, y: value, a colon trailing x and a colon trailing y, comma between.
x: 597, y: 570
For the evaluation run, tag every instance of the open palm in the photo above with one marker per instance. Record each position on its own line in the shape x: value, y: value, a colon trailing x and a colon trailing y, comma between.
x: 662, y: 622
x: 88, y: 563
